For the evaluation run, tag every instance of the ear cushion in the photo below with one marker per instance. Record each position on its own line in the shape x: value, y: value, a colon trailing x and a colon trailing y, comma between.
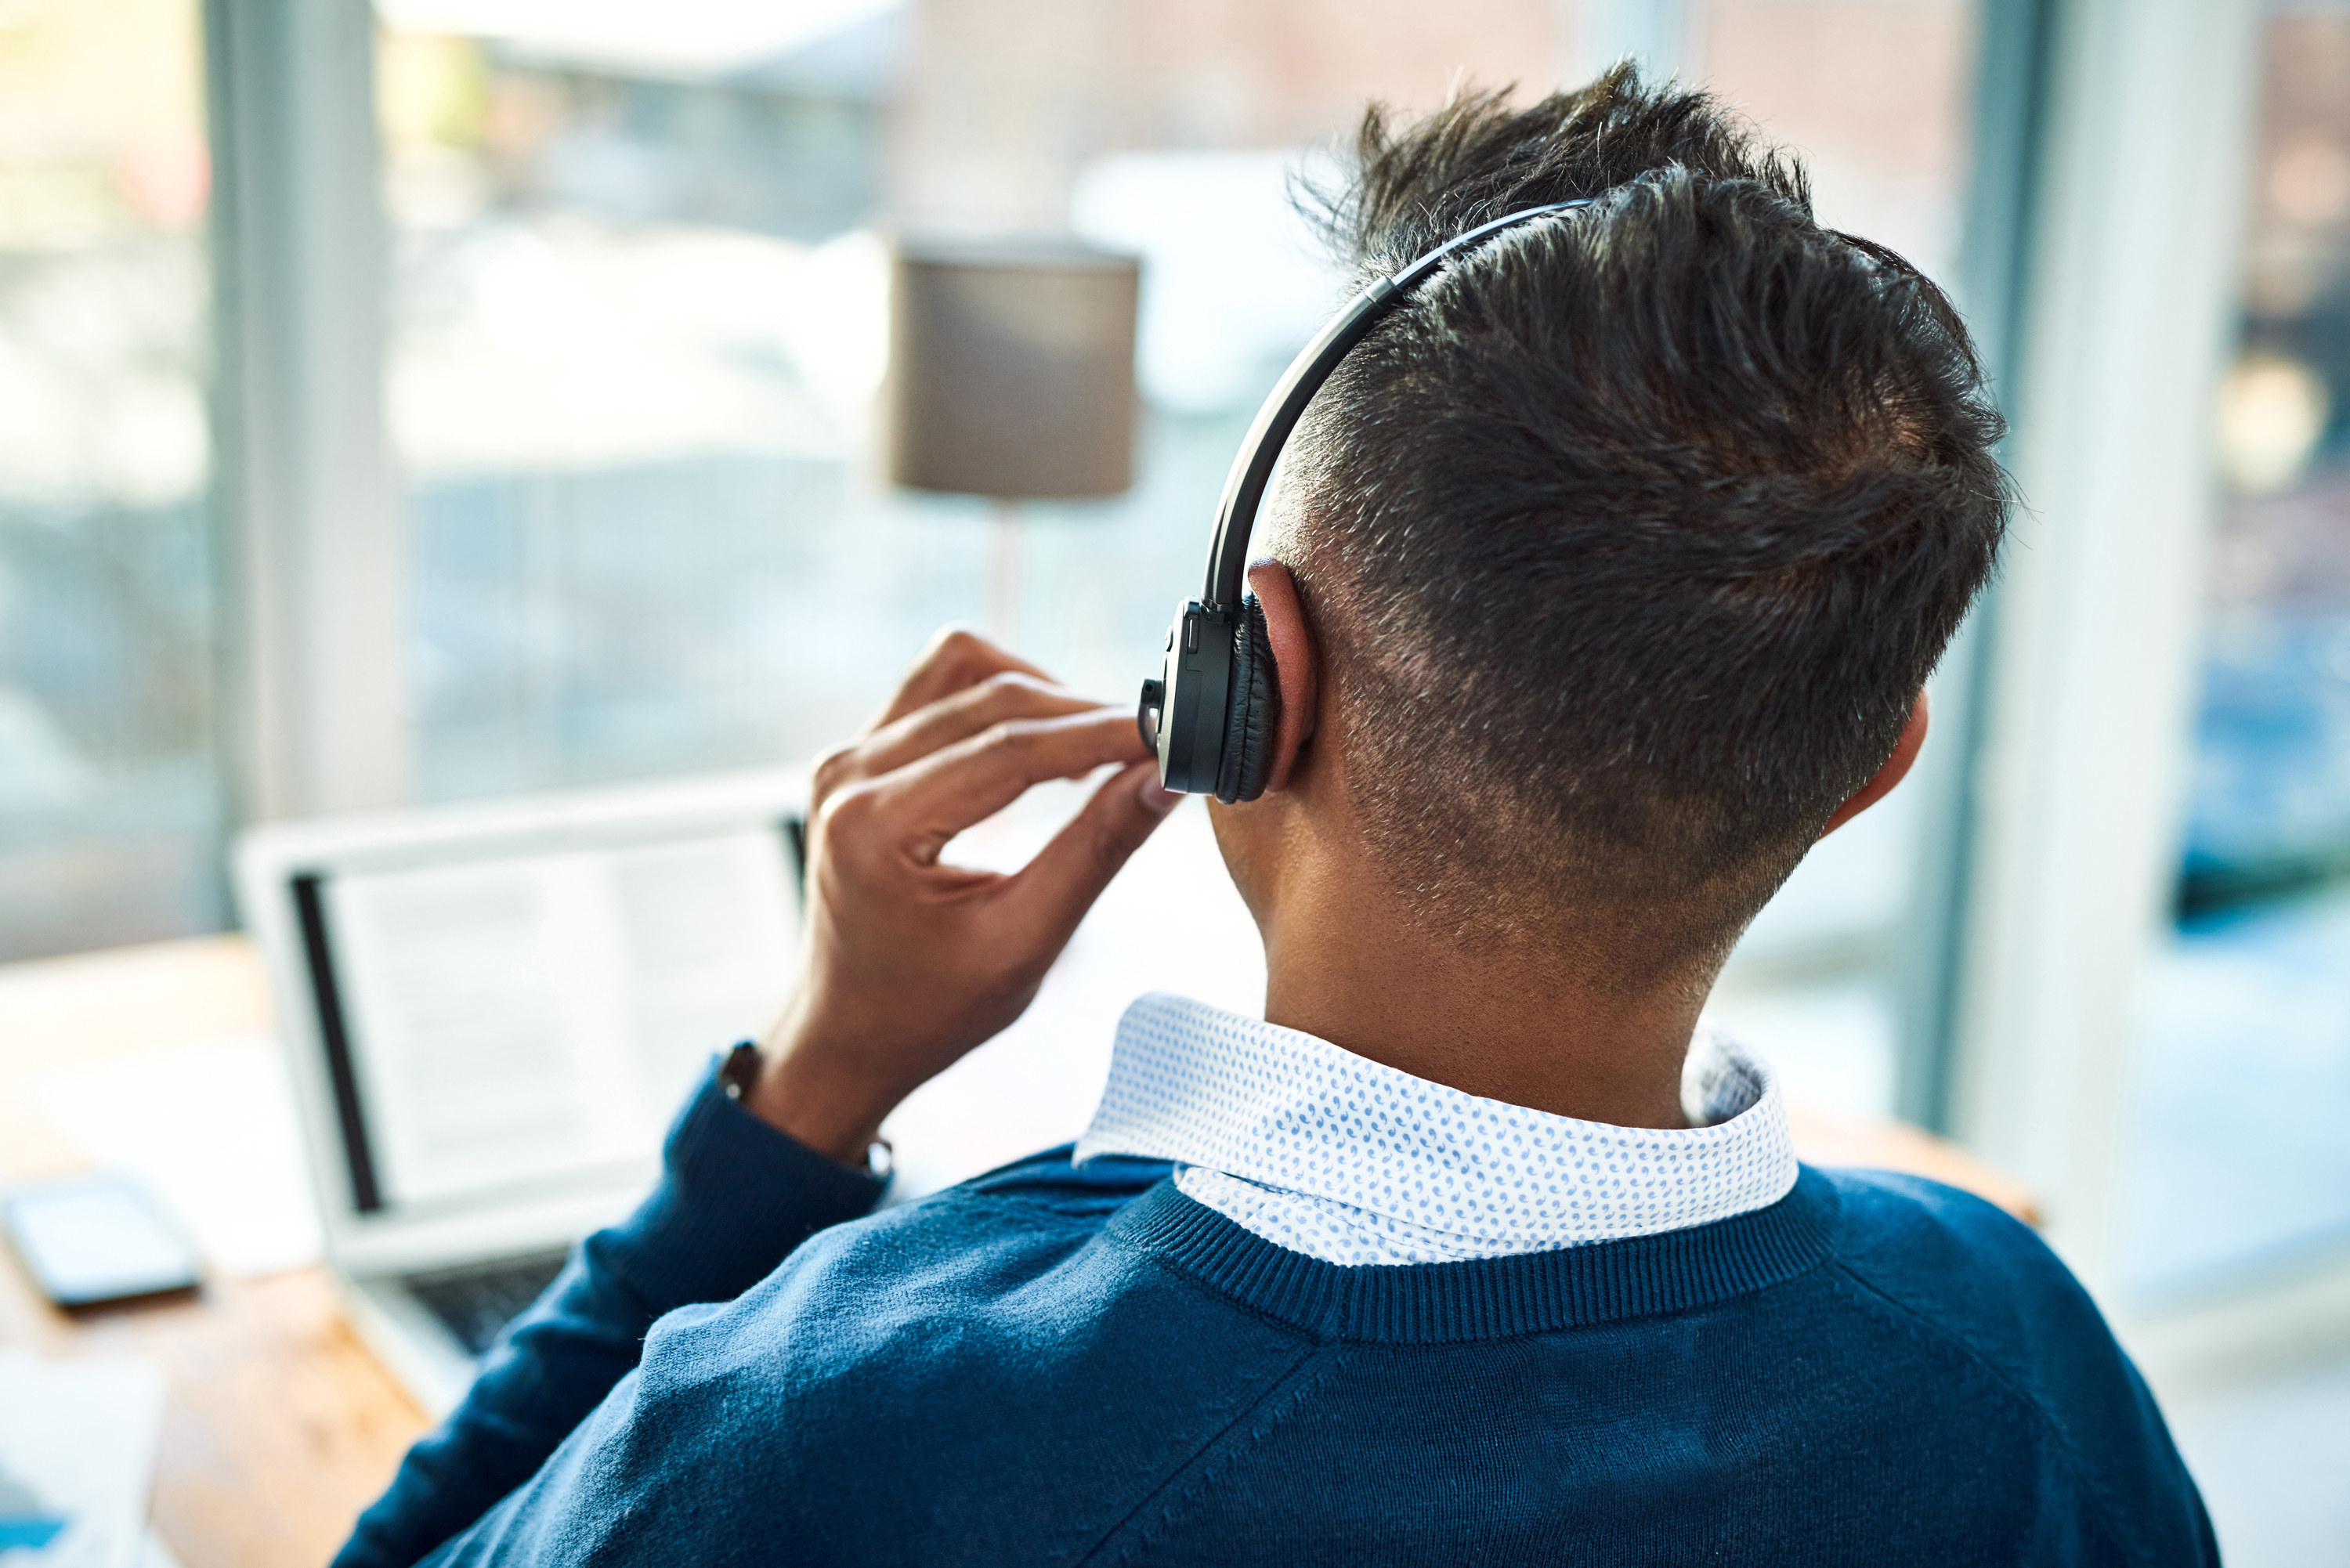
x: 1255, y: 711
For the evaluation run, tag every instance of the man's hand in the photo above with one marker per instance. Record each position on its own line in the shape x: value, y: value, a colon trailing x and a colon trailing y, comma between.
x: 911, y: 962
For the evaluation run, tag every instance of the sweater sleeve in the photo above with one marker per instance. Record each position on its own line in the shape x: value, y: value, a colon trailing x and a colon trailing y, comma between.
x: 735, y: 1197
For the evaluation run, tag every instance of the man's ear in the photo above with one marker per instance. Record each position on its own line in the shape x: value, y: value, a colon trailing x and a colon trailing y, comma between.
x: 1296, y: 666
x: 1895, y: 768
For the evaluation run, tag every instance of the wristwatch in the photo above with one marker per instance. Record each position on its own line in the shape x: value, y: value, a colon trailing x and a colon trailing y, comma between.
x: 738, y: 1074
x: 738, y: 1071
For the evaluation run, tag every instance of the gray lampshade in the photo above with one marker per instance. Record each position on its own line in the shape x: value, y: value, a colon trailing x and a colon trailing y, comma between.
x: 1011, y: 368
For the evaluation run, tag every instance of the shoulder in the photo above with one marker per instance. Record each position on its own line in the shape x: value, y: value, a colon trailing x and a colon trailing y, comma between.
x: 996, y: 1248
x: 1901, y: 1225
x: 908, y: 1369
x: 1983, y: 1287
x: 1965, y: 1266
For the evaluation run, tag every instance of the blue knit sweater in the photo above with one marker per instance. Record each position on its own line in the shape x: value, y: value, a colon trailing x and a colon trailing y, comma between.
x: 1050, y: 1364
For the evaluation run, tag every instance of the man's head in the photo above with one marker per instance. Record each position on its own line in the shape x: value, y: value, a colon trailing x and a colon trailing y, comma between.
x: 1627, y: 542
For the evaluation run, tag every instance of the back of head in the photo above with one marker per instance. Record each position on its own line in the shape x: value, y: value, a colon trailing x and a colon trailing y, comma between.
x: 1632, y: 535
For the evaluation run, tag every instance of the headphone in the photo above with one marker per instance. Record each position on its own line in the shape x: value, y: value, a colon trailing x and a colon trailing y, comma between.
x: 1212, y: 714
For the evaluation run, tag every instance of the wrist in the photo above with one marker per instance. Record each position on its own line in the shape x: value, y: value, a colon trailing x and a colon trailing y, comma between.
x: 799, y: 1096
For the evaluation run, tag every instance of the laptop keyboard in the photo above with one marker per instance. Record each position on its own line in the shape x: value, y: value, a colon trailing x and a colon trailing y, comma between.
x: 479, y: 1299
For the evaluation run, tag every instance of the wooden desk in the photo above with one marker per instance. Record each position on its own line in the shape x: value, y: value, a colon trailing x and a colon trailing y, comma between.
x: 280, y: 1425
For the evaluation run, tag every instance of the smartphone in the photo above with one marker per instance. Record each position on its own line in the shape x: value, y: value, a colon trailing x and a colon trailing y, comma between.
x: 96, y: 1241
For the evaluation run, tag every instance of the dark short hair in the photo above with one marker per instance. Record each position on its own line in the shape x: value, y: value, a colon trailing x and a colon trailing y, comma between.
x: 1631, y: 537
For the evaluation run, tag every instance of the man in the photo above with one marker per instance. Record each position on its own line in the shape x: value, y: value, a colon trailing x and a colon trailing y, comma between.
x: 1606, y: 578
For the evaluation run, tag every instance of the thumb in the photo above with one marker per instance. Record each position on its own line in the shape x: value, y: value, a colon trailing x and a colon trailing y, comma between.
x: 1068, y: 874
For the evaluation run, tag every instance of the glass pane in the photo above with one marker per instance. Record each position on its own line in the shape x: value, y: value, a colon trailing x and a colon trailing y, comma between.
x: 2245, y: 1068
x: 110, y: 805
x: 639, y: 321
x: 1877, y: 94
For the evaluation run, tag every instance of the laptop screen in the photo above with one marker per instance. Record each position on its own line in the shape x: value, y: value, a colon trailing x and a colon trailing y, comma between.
x: 500, y: 1022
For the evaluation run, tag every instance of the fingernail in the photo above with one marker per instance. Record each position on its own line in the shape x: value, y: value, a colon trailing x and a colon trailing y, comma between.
x: 1153, y: 798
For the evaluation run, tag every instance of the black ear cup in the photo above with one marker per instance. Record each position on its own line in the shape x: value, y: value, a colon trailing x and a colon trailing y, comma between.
x: 1255, y: 712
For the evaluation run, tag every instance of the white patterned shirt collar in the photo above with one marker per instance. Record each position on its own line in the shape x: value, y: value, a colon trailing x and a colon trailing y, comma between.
x: 1333, y: 1155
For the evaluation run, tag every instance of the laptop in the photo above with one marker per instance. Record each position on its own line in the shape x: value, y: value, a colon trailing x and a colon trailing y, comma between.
x: 491, y: 1013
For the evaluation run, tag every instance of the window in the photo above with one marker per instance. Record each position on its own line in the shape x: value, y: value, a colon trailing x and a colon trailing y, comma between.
x: 639, y: 319
x: 110, y: 805
x: 2244, y: 1072
x: 636, y: 320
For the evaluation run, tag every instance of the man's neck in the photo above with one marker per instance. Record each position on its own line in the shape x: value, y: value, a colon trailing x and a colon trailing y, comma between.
x: 1525, y: 1028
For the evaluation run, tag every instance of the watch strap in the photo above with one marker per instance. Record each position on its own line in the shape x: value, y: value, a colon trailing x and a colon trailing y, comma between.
x: 738, y: 1074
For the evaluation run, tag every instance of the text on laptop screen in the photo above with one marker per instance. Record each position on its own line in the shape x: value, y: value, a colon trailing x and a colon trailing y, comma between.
x: 511, y: 1021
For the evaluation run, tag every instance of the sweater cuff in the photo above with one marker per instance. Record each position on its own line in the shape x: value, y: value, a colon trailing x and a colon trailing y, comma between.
x: 735, y: 1196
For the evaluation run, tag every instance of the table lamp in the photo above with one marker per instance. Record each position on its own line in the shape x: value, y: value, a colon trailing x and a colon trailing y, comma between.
x: 1011, y: 376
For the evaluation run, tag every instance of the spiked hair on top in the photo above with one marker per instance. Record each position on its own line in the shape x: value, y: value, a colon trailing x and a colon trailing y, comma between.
x: 1630, y: 538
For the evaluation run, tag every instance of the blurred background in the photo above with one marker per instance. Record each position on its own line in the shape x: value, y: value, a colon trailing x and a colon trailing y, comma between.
x: 476, y: 397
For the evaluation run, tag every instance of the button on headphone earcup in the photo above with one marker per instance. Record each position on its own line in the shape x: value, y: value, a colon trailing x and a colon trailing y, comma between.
x: 1255, y: 712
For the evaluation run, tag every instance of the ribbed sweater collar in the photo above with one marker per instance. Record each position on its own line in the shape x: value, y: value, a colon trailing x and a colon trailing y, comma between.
x: 1488, y: 1298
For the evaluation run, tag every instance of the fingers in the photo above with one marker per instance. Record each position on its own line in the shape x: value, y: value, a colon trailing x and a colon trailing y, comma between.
x: 1000, y: 699
x: 1056, y: 889
x: 954, y: 659
x: 997, y: 700
x: 919, y: 807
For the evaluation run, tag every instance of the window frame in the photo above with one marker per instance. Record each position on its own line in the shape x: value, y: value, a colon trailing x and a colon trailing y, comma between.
x: 2127, y: 314
x: 311, y: 538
